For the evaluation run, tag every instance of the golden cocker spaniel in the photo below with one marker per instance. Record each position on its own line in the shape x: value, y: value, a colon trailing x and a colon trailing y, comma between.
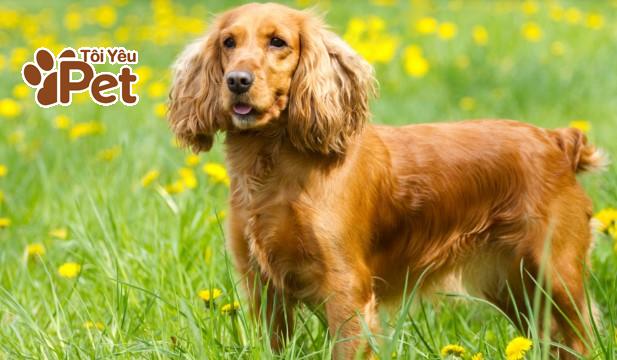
x: 326, y: 208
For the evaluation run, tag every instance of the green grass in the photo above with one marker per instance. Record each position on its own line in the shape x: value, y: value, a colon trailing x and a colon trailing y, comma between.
x: 145, y: 254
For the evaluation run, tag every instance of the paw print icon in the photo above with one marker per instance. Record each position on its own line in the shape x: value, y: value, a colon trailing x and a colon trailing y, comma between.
x: 55, y: 81
x: 42, y: 75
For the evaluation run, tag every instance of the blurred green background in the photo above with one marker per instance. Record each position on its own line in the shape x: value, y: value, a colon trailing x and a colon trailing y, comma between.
x: 110, y: 233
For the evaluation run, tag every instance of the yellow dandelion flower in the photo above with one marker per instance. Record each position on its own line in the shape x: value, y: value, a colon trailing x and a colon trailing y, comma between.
x: 479, y: 35
x: 62, y: 122
x: 190, y: 182
x: 216, y: 172
x: 376, y: 24
x: 467, y: 103
x: 110, y: 153
x: 192, y: 160
x: 595, y: 21
x: 371, y: 40
x: 607, y: 218
x: 355, y: 26
x: 149, y: 177
x: 383, y: 49
x: 72, y: 20
x: 59, y: 233
x: 122, y: 34
x: 175, y: 188
x: 4, y: 222
x: 532, y: 32
x: 160, y: 110
x: 477, y: 356
x: 34, y: 251
x: 517, y: 348
x: 415, y: 64
x: 413, y: 50
x: 426, y: 25
x: 105, y: 16
x: 85, y: 129
x: 81, y: 97
x: 210, y: 295
x: 9, y: 19
x: 21, y: 91
x: 9, y: 108
x: 452, y: 350
x: 157, y: 89
x: 230, y: 308
x: 3, y: 170
x: 69, y: 270
x: 190, y: 25
x: 557, y: 48
x: 572, y: 15
x: 555, y: 12
x: 186, y: 172
x: 93, y: 325
x: 529, y: 7
x: 447, y: 30
x: 144, y: 73
x: 582, y: 125
x: 188, y: 177
x: 18, y: 57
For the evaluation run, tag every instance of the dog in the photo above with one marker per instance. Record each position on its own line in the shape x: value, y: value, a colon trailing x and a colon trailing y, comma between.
x: 328, y: 209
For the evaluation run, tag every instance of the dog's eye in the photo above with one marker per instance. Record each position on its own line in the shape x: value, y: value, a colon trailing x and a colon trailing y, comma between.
x: 229, y: 43
x: 277, y: 42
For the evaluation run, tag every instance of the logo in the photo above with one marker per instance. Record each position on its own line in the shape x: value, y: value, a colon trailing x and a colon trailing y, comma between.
x: 57, y: 79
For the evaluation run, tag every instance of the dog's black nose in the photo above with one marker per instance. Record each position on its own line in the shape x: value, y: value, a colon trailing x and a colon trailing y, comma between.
x: 239, y: 81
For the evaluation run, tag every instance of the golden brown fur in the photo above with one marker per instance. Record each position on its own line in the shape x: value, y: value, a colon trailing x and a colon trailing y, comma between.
x: 326, y: 208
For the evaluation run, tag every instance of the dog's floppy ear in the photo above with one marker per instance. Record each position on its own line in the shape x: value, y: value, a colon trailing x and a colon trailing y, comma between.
x: 194, y: 107
x: 329, y: 92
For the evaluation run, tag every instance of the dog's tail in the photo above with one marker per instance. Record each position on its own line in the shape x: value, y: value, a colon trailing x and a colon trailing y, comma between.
x: 583, y: 156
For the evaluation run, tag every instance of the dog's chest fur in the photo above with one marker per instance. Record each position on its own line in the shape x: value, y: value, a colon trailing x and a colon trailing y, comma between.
x: 279, y: 234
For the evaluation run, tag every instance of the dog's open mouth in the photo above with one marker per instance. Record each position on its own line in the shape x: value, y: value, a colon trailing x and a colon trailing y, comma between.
x: 242, y: 109
x: 244, y: 115
x: 247, y: 116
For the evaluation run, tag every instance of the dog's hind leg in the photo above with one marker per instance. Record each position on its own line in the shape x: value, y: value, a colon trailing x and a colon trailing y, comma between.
x: 549, y: 263
x: 567, y: 266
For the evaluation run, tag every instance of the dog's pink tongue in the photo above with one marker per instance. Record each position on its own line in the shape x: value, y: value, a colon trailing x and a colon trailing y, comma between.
x: 242, y: 109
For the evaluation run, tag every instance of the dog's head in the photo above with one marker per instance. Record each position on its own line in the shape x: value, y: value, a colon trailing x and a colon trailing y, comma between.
x: 264, y: 65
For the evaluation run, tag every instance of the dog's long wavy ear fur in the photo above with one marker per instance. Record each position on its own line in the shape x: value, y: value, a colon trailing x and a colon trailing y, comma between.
x: 194, y: 113
x: 330, y: 91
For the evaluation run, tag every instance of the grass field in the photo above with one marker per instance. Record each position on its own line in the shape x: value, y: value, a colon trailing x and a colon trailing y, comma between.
x: 108, y: 232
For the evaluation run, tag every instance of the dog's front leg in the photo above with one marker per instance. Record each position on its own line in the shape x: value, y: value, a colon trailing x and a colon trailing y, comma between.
x: 350, y: 314
x: 272, y: 310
